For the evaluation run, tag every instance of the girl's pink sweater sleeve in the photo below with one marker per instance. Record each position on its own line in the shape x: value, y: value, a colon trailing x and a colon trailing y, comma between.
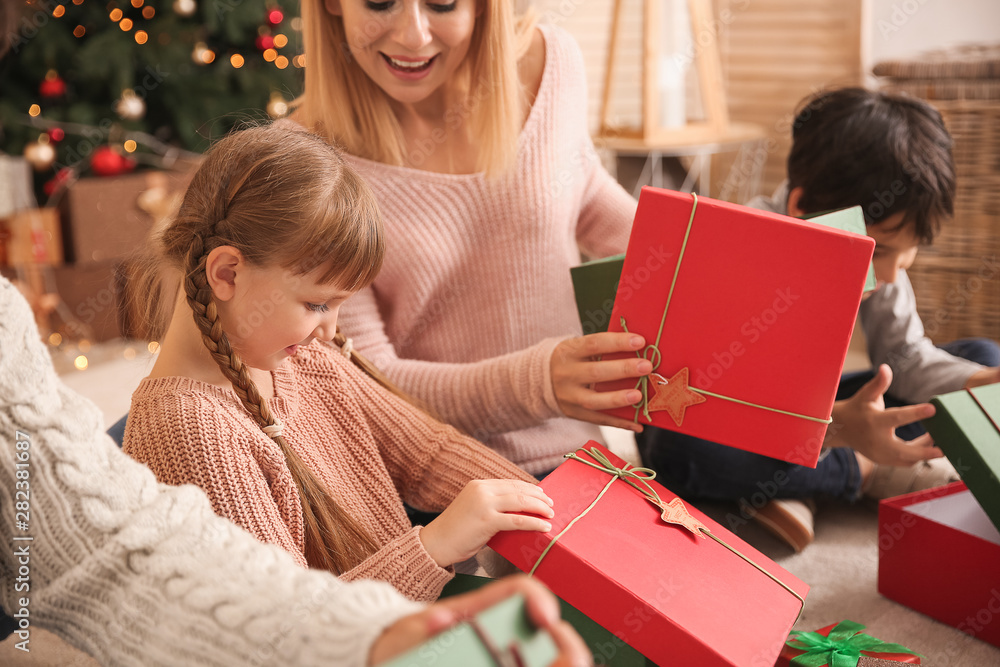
x: 429, y: 462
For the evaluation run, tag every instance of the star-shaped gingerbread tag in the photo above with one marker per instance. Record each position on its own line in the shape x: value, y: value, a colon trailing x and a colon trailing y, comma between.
x: 676, y: 513
x: 674, y: 396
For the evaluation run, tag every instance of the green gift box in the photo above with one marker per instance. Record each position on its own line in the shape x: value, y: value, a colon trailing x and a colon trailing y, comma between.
x: 966, y: 427
x: 606, y: 648
x: 595, y: 284
x: 499, y: 635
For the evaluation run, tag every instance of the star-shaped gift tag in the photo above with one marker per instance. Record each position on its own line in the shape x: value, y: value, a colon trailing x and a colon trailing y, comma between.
x: 676, y: 512
x: 674, y: 395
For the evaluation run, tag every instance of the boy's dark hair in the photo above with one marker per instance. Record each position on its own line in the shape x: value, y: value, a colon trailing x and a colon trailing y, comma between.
x: 886, y: 152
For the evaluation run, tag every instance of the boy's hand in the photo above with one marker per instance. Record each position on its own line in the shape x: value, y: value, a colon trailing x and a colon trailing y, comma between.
x: 863, y: 423
x: 575, y: 368
x: 985, y: 376
x: 481, y: 510
x: 543, y: 610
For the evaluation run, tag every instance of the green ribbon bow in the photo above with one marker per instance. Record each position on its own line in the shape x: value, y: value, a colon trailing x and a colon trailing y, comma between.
x: 842, y: 648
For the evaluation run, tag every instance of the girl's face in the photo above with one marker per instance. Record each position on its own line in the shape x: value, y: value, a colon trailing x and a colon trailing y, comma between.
x: 409, y: 48
x: 273, y: 312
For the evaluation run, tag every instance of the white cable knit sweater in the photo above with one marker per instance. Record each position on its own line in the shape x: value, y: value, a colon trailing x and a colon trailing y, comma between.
x: 139, y: 573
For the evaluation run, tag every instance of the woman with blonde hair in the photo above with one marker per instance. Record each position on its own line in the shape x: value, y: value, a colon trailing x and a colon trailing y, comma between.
x: 470, y: 126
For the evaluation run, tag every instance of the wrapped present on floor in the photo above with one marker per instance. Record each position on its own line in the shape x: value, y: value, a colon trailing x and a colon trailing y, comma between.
x: 747, y: 317
x: 841, y: 645
x: 606, y: 648
x: 665, y: 579
x: 31, y: 236
x: 500, y: 635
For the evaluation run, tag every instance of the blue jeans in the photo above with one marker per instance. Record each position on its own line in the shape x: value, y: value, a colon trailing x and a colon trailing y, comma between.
x: 698, y: 469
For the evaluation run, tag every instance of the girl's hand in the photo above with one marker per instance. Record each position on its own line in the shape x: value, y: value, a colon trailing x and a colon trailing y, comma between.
x: 480, y: 511
x: 575, y: 369
x: 863, y: 423
x: 543, y: 610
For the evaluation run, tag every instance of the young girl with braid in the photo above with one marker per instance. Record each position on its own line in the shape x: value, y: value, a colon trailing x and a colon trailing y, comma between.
x: 249, y: 400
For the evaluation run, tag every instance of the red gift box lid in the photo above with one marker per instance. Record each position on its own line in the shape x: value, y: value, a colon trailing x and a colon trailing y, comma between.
x: 762, y: 310
x: 673, y: 596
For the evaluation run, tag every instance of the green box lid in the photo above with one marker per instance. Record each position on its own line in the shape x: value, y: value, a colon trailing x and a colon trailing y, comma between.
x: 849, y: 220
x: 966, y: 427
x: 595, y: 285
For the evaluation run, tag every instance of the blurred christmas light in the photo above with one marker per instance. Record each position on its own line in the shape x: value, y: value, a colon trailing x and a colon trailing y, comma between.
x: 297, y: 23
x: 137, y: 3
x: 80, y: 363
x: 280, y: 41
x: 299, y: 61
x: 185, y: 7
x: 130, y: 146
x: 270, y: 55
x: 55, y: 339
x: 148, y: 12
x: 236, y: 60
x: 141, y: 37
x: 34, y: 110
x: 125, y: 25
x: 153, y: 347
x: 84, y: 345
x: 79, y: 31
x: 274, y: 17
x: 116, y: 15
x: 59, y: 11
x: 281, y: 62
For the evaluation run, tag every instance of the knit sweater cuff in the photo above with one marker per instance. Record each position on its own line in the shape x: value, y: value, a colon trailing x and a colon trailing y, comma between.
x: 405, y: 563
x: 540, y: 380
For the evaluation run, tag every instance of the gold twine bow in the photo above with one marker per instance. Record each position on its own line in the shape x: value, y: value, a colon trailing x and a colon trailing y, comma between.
x: 673, y: 512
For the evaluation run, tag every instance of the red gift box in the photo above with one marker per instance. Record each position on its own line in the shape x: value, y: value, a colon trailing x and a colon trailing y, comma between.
x: 676, y: 596
x: 749, y: 315
x: 939, y: 554
x: 847, y: 635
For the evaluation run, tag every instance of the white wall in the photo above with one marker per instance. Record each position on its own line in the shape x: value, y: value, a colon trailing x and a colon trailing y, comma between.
x: 901, y: 29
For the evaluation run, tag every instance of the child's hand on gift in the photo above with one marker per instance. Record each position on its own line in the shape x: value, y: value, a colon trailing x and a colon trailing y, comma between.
x: 984, y: 376
x: 863, y: 423
x: 575, y: 368
x: 543, y: 610
x: 481, y: 510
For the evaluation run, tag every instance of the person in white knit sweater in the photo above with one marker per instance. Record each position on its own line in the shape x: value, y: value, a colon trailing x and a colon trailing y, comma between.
x: 139, y: 573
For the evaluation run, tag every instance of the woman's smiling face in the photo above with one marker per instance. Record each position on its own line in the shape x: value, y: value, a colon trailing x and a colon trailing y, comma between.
x: 409, y: 48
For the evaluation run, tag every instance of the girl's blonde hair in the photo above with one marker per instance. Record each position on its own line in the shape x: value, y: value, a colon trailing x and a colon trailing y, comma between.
x: 282, y: 198
x: 342, y: 103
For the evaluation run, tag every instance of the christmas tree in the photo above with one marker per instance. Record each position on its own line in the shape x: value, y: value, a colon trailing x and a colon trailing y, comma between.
x: 96, y: 86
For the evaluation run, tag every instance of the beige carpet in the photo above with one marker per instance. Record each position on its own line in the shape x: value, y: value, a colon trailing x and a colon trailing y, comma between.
x: 840, y: 566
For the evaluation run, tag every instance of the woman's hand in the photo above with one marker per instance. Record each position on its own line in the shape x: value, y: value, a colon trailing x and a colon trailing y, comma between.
x: 863, y: 423
x: 543, y: 610
x: 480, y: 511
x: 575, y: 369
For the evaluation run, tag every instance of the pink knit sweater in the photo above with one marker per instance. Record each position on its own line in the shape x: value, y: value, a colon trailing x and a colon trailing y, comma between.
x: 366, y: 446
x: 475, y: 292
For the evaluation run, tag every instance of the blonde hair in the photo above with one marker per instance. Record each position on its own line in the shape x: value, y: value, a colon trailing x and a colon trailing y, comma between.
x: 343, y: 104
x: 287, y: 198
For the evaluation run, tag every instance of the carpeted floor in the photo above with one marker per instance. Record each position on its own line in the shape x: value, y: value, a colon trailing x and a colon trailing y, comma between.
x: 840, y: 566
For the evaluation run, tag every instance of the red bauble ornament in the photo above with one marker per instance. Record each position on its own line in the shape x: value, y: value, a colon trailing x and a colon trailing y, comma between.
x: 56, y: 134
x: 53, y: 86
x: 106, y: 161
x: 275, y: 16
x: 58, y: 181
x: 265, y: 42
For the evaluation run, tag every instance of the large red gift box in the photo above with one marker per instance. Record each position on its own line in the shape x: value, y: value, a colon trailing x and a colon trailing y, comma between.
x: 749, y: 315
x: 674, y: 594
x: 940, y: 555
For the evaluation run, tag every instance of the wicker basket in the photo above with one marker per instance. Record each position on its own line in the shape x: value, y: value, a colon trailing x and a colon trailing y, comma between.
x: 957, y: 280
